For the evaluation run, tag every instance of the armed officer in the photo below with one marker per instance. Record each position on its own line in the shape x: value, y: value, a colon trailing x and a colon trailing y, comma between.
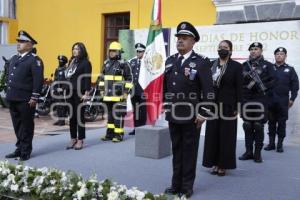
x: 60, y: 88
x: 116, y: 81
x: 137, y: 98
x: 259, y: 79
x: 287, y: 82
x: 187, y: 82
x: 24, y: 85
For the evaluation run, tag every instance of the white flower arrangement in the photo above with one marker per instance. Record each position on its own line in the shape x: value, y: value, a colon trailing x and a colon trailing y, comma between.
x: 18, y: 181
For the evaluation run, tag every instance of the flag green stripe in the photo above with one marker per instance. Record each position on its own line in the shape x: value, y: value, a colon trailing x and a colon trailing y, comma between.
x: 153, y: 32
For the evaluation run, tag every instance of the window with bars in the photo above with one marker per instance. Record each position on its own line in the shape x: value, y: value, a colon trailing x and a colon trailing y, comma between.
x: 114, y: 23
x: 8, y: 8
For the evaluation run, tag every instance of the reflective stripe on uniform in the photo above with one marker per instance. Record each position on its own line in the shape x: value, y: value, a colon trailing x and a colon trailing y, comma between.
x: 110, y: 126
x: 101, y: 83
x: 128, y: 85
x: 113, y: 78
x: 108, y: 98
x: 119, y: 130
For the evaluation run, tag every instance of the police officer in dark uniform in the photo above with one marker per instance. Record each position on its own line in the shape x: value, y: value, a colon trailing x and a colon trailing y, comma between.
x: 59, y: 88
x: 187, y: 82
x: 116, y: 81
x: 24, y: 85
x: 287, y: 81
x: 39, y: 59
x: 258, y: 81
x: 137, y: 98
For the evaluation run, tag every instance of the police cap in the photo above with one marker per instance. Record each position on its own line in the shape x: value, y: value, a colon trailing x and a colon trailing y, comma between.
x: 255, y: 44
x: 280, y: 49
x: 140, y: 47
x: 24, y: 36
x: 186, y: 28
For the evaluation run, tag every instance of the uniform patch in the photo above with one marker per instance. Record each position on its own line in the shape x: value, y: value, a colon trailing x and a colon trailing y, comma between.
x: 286, y: 70
x: 264, y: 66
x: 169, y: 65
x: 192, y: 65
x: 38, y: 62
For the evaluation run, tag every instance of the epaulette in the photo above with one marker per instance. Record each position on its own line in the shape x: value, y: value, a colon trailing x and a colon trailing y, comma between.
x: 201, y: 55
x: 169, y: 65
x: 38, y: 62
x: 34, y: 54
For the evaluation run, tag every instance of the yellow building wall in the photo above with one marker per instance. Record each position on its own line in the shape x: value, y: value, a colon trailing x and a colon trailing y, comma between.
x: 58, y: 24
x: 12, y: 28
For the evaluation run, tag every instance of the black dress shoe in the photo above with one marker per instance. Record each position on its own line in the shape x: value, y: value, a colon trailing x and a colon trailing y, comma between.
x: 187, y: 193
x: 171, y: 191
x: 132, y: 133
x: 13, y: 155
x: 246, y: 156
x: 270, y: 147
x: 279, y: 149
x: 24, y: 157
x: 61, y: 123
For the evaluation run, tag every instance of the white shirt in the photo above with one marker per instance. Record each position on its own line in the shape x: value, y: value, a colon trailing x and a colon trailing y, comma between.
x: 23, y: 54
x: 185, y: 56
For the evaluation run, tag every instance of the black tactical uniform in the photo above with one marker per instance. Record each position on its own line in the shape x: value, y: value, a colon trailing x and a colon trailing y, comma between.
x: 287, y: 81
x: 25, y: 76
x: 182, y: 95
x: 259, y: 79
x: 116, y: 81
x: 60, y: 89
x: 137, y: 98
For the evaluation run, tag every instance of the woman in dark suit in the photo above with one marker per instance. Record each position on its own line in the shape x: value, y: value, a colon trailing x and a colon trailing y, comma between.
x: 221, y: 132
x: 78, y: 73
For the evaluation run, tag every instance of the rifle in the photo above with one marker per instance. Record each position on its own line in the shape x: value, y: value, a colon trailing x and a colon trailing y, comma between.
x: 255, y: 79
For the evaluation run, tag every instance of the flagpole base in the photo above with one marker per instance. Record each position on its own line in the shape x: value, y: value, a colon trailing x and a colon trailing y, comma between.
x: 152, y: 141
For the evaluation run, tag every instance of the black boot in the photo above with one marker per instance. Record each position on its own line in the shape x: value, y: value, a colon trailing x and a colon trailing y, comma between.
x: 257, y: 155
x: 279, y: 145
x: 248, y: 128
x: 271, y: 145
x: 248, y: 155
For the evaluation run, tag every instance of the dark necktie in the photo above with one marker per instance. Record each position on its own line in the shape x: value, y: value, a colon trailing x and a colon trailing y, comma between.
x: 179, y: 61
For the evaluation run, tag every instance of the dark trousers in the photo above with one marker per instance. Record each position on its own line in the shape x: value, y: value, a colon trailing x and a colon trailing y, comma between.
x: 278, y: 114
x: 185, y: 143
x: 22, y: 116
x: 77, y: 128
x: 254, y: 126
x: 139, y: 110
x: 115, y: 118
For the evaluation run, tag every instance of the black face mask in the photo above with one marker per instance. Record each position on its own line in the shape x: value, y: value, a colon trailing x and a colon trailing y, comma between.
x: 223, y: 53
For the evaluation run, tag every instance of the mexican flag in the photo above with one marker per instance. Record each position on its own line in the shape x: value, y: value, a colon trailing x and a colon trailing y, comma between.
x: 153, y: 65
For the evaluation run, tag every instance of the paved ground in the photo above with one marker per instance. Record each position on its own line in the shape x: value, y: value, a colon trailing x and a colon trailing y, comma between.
x: 277, y: 178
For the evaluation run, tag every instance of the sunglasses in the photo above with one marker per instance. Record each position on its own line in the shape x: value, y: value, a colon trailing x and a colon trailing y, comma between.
x: 22, y: 41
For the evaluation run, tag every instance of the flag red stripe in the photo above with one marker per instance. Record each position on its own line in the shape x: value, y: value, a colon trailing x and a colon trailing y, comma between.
x: 153, y: 93
x: 159, y: 11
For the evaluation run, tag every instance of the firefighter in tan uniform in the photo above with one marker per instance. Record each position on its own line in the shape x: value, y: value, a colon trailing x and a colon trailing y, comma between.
x: 116, y: 82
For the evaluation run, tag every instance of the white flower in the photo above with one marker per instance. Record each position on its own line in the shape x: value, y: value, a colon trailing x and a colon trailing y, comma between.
x: 11, y: 178
x: 100, y: 188
x: 79, y: 184
x: 38, y: 181
x: 18, y: 167
x: 113, y: 195
x: 5, y: 183
x: 44, y: 170
x: 52, y: 182
x: 14, y: 187
x: 81, y: 193
x: 25, y: 189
